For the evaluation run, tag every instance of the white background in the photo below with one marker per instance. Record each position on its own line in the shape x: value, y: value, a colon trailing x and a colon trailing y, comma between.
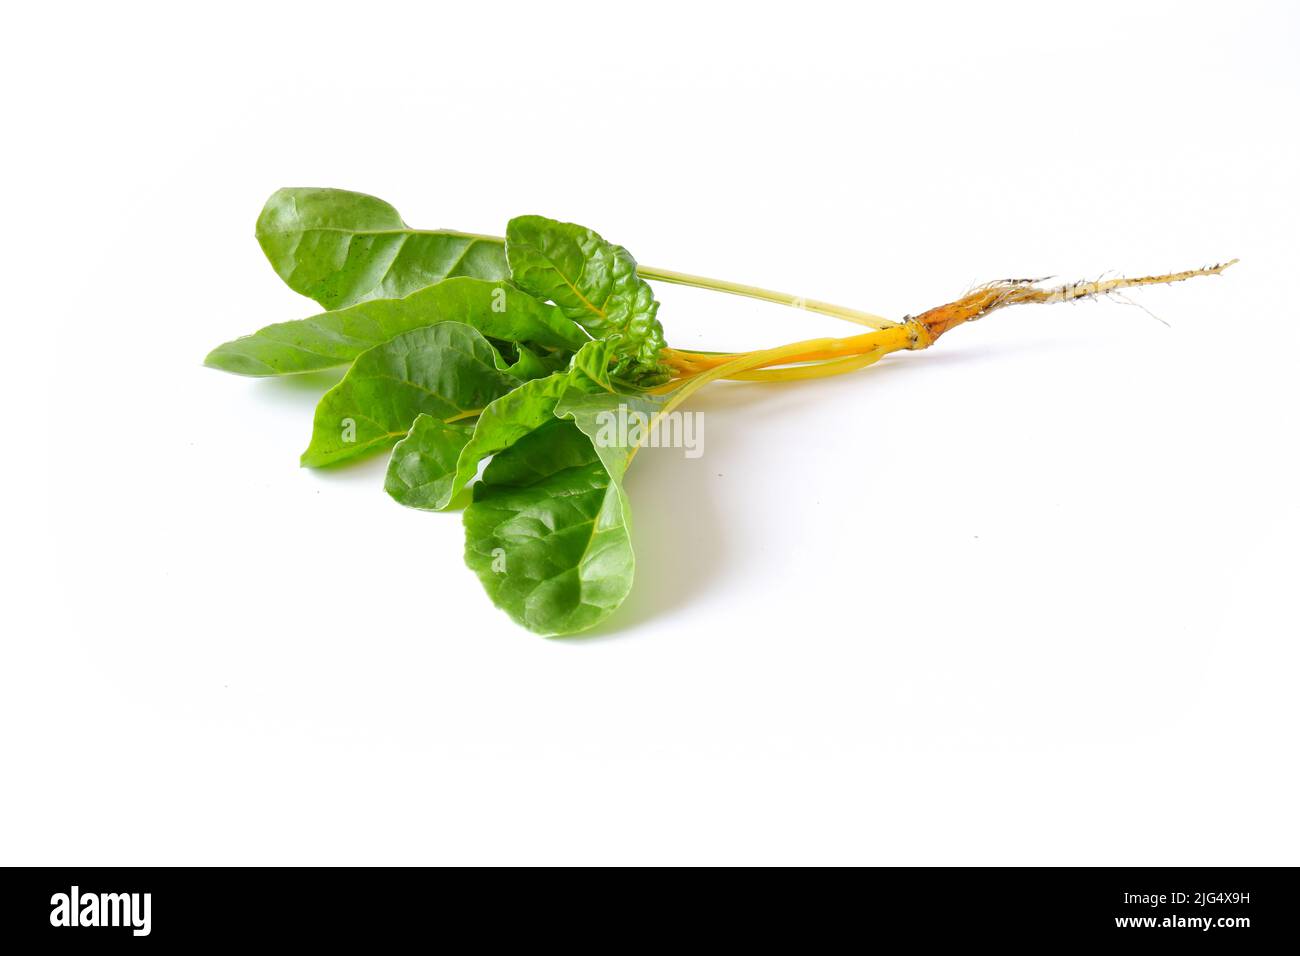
x: 1028, y: 597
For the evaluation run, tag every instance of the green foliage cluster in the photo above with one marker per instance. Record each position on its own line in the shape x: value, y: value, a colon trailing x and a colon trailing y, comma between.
x: 463, y: 349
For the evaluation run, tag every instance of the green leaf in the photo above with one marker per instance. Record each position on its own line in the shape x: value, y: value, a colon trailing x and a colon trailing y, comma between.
x: 616, y: 423
x: 447, y: 371
x: 340, y: 248
x: 497, y: 309
x: 547, y: 533
x: 422, y: 473
x: 596, y: 284
x: 422, y: 470
x: 525, y: 363
x: 591, y: 366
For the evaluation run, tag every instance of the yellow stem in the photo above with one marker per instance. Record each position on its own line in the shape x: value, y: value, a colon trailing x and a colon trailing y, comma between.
x: 798, y: 373
x: 866, y: 348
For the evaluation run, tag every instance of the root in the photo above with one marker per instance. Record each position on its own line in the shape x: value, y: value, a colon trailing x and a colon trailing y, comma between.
x: 998, y: 295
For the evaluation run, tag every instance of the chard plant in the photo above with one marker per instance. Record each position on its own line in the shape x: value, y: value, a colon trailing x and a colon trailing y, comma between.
x: 463, y: 349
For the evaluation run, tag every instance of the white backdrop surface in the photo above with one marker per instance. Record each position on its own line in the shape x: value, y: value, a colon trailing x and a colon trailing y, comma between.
x: 1027, y: 597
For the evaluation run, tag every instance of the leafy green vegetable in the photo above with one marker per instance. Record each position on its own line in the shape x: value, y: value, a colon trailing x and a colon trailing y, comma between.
x: 341, y: 247
x: 525, y: 363
x: 465, y: 348
x: 423, y: 469
x: 617, y: 423
x: 497, y: 309
x: 547, y: 533
x: 448, y: 371
x: 549, y: 529
x: 422, y: 473
x: 596, y: 284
